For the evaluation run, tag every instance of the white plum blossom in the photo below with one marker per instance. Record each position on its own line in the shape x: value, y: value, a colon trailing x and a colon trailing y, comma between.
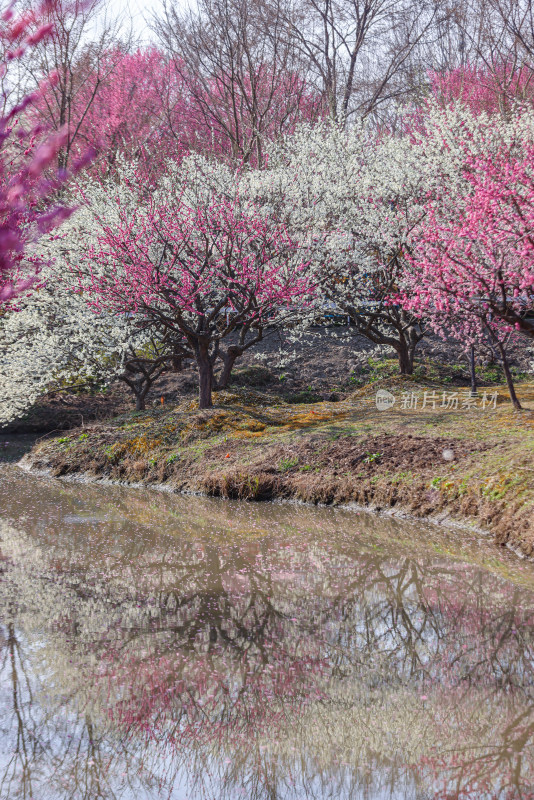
x: 55, y: 340
x: 358, y: 198
x: 53, y: 337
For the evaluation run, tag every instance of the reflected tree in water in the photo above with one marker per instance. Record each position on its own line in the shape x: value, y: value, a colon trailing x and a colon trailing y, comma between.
x: 239, y: 659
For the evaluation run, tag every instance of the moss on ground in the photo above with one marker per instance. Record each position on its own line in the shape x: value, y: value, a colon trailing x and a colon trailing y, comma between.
x: 472, y: 465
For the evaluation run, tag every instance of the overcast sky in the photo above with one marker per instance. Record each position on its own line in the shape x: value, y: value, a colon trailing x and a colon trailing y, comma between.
x: 140, y: 10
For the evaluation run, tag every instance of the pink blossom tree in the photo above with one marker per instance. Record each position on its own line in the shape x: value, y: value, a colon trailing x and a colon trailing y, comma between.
x: 214, y: 272
x: 237, y: 118
x: 498, y: 90
x: 121, y: 102
x: 82, y: 54
x: 130, y: 112
x: 247, y: 83
x: 472, y: 268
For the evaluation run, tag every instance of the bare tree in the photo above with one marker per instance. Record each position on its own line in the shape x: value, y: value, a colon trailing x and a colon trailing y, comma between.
x: 514, y: 20
x: 242, y: 73
x: 495, y: 37
x: 364, y: 54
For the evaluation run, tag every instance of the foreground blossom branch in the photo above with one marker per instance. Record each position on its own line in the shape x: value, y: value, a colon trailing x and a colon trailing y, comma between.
x: 29, y: 184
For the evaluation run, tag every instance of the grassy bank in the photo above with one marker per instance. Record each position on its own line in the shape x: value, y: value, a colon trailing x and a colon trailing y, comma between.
x: 472, y: 465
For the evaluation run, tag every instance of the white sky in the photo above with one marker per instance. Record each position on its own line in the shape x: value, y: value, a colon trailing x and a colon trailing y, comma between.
x: 140, y: 10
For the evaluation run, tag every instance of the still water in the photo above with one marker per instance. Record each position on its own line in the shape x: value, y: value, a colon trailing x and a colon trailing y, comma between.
x: 166, y: 647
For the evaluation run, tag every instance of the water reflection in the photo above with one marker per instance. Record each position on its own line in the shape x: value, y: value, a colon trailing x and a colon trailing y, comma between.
x: 153, y: 646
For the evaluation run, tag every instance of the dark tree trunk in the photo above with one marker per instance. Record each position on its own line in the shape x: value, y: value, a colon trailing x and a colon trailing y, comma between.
x: 139, y: 388
x: 229, y: 360
x: 508, y: 375
x: 472, y: 372
x: 405, y: 354
x: 403, y: 333
x: 205, y: 377
x: 177, y: 359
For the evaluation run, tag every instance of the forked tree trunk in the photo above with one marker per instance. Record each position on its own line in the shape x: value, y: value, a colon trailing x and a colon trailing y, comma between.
x: 228, y: 364
x: 139, y: 391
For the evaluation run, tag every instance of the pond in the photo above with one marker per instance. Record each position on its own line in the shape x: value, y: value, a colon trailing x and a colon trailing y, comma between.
x: 154, y: 646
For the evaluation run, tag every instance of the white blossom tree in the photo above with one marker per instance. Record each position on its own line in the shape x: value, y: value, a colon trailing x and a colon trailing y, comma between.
x: 357, y: 199
x: 360, y: 196
x: 54, y: 340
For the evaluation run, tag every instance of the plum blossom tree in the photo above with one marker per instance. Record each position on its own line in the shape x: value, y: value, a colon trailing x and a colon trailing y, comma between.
x: 500, y: 90
x: 473, y: 267
x: 359, y: 198
x: 131, y: 109
x: 52, y: 340
x: 199, y: 262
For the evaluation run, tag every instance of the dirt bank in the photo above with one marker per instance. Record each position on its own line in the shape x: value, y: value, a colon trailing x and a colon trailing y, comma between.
x: 470, y: 464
